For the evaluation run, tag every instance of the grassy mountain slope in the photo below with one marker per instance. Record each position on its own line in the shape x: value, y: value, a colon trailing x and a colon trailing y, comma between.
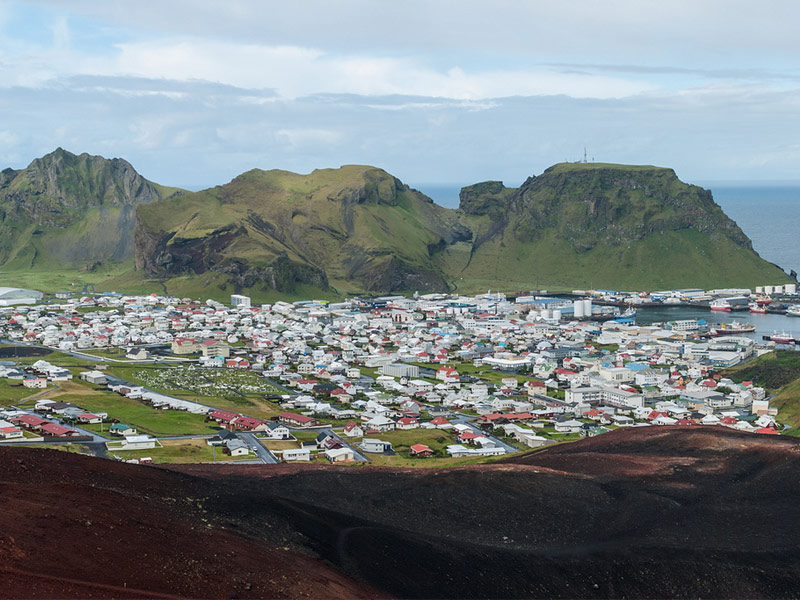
x: 580, y: 225
x: 71, y: 211
x: 71, y: 219
x: 779, y: 373
x: 355, y: 228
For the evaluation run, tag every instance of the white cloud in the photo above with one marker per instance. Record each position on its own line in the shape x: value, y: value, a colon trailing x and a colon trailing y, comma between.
x: 296, y: 72
x: 300, y: 138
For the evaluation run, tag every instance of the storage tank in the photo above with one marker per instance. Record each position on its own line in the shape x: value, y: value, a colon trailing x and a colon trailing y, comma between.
x: 587, y: 308
x: 578, y: 307
x: 556, y: 315
x: 768, y: 290
x: 759, y: 290
x: 790, y: 288
x: 778, y: 289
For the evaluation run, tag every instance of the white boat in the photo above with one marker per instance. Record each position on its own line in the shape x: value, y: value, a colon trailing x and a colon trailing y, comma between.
x: 783, y: 338
x: 721, y: 305
x: 732, y: 328
x: 793, y: 310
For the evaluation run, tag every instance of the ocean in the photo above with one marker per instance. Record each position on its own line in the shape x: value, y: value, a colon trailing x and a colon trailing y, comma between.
x: 768, y: 214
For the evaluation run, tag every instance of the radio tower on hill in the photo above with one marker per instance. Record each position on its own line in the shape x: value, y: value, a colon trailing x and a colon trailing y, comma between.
x: 584, y: 155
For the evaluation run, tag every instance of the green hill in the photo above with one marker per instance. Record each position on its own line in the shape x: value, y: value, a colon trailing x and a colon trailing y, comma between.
x: 587, y: 225
x: 357, y: 229
x: 67, y: 211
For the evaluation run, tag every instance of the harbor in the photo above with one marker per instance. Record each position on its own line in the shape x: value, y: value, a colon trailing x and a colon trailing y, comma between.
x: 766, y: 325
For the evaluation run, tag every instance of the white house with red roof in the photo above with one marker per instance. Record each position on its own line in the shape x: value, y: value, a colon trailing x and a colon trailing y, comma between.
x: 407, y: 423
x: 448, y: 375
x: 353, y: 429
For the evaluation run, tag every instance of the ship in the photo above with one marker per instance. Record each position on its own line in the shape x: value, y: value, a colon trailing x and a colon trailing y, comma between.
x: 721, y: 305
x: 781, y: 338
x: 793, y: 310
x: 760, y: 309
x: 731, y: 328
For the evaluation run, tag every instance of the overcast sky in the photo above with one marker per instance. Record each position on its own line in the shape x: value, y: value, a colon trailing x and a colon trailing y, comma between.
x: 194, y: 92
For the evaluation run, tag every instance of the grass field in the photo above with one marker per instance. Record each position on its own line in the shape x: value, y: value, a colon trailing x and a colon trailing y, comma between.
x: 14, y: 392
x: 132, y: 412
x: 181, y: 451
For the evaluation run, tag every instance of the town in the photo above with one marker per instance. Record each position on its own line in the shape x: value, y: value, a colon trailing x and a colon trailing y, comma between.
x: 428, y: 380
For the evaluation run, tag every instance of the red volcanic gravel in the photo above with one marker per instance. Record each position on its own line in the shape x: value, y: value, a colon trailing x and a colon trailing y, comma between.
x: 639, y: 512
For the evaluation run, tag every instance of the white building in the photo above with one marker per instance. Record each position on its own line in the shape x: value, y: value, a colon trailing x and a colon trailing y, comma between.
x: 238, y: 301
x: 12, y: 296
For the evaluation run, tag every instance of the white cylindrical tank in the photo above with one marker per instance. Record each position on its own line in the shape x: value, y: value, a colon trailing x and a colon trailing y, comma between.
x: 778, y: 289
x: 587, y: 308
x: 759, y: 289
x: 546, y: 314
x: 768, y: 290
x: 790, y: 288
x: 578, y: 307
x: 556, y: 315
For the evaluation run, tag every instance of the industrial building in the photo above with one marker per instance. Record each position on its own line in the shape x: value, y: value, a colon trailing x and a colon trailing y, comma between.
x: 12, y: 296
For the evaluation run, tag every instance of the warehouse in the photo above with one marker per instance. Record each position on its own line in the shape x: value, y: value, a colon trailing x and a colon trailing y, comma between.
x: 11, y: 296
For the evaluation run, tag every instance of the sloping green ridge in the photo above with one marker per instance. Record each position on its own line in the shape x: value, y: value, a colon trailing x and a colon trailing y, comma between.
x: 72, y: 219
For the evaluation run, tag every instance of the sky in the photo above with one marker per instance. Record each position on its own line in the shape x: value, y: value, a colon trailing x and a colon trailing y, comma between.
x: 195, y: 92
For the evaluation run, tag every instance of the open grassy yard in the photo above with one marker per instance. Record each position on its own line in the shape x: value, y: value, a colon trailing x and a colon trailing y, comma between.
x: 132, y: 412
x: 181, y: 451
x: 488, y: 374
x: 12, y: 392
x: 281, y: 444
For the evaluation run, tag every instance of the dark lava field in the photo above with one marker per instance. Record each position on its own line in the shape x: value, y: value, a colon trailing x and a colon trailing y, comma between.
x: 649, y: 512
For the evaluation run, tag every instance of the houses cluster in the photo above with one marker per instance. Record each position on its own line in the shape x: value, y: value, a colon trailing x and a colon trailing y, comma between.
x: 514, y: 367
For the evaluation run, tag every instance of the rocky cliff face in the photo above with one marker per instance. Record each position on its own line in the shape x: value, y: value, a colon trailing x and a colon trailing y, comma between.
x: 615, y: 206
x: 360, y: 229
x: 578, y: 225
x: 162, y: 255
x: 53, y: 189
x: 353, y: 227
x: 82, y: 207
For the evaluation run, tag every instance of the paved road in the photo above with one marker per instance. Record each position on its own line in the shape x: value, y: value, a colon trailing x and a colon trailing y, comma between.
x: 263, y: 453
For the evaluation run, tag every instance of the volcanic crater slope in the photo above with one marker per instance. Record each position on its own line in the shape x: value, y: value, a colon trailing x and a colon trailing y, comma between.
x: 643, y: 512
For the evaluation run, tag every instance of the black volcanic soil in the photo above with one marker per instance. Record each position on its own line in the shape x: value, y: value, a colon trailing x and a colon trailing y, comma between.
x: 644, y: 512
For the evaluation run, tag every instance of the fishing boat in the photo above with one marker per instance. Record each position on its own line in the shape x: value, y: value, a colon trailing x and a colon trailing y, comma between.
x: 793, y: 310
x: 721, y: 305
x: 782, y: 338
x: 760, y: 309
x: 763, y: 300
x: 731, y: 328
